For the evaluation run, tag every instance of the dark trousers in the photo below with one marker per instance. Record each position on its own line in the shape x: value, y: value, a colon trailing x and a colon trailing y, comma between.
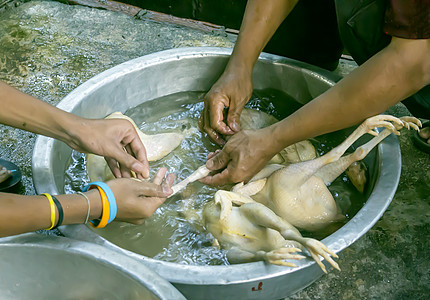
x: 309, y: 34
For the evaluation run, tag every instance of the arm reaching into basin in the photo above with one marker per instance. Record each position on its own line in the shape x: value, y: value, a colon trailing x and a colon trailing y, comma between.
x: 233, y: 89
x: 396, y: 72
x: 135, y: 199
x: 107, y: 138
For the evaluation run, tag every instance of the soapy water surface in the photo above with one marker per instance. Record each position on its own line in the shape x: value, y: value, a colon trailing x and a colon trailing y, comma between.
x: 175, y: 232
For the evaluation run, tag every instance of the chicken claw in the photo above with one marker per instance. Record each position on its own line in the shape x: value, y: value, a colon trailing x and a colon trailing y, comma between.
x: 316, y: 249
x: 278, y: 256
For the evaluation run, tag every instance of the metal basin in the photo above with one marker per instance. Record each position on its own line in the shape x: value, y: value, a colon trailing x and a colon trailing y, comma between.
x: 196, y: 69
x: 33, y: 266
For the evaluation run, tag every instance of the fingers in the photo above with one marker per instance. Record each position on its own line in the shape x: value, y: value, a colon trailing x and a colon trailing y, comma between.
x: 125, y: 162
x: 212, y: 154
x: 139, y: 165
x: 233, y: 117
x: 118, y: 169
x: 158, y: 188
x: 157, y: 194
x: 113, y: 166
x: 204, y: 125
x: 217, y: 179
x: 158, y: 178
x: 216, y: 115
x: 166, y: 186
x: 126, y: 171
x: 168, y: 183
x: 218, y: 161
x: 133, y: 158
x: 149, y: 189
x: 212, y: 117
x: 138, y: 199
x: 118, y: 141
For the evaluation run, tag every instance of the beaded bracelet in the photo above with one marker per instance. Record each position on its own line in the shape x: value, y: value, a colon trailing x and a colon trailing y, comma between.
x: 52, y: 206
x: 109, y: 207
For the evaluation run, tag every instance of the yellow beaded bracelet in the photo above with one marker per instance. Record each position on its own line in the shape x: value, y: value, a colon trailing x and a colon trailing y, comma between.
x: 52, y: 205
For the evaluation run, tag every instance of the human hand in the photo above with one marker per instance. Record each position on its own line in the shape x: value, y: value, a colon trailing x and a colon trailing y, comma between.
x: 116, y: 140
x: 232, y: 90
x: 243, y: 156
x: 136, y: 199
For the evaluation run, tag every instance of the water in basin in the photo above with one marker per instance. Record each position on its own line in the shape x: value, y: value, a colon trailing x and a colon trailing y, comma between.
x: 175, y: 232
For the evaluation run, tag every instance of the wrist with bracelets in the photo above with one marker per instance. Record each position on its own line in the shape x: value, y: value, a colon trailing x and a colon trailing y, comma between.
x: 54, y: 204
x: 109, y: 207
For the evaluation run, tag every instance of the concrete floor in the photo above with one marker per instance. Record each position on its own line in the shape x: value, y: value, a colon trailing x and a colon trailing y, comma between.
x: 47, y: 49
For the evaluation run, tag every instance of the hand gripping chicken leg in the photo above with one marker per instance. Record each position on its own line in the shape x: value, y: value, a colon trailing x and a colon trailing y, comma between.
x: 157, y: 146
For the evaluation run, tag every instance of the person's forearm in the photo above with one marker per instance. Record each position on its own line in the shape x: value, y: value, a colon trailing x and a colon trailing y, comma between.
x: 260, y: 21
x: 28, y: 113
x: 21, y: 213
x: 392, y: 75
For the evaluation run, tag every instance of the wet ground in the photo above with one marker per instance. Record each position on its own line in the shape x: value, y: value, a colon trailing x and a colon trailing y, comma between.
x: 48, y: 48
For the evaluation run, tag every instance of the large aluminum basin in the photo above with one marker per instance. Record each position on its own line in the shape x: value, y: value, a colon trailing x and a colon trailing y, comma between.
x: 196, y: 69
x: 33, y: 266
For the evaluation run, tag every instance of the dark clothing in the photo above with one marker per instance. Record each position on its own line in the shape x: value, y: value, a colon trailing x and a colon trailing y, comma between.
x: 318, y: 31
x: 309, y: 34
x: 409, y: 19
x: 364, y: 26
x: 361, y: 24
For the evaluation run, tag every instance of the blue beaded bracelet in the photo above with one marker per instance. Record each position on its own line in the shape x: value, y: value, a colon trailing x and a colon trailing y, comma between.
x: 109, y: 195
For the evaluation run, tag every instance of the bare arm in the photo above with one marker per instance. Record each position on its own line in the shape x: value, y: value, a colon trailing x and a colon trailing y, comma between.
x: 103, y: 137
x: 22, y: 213
x: 259, y: 23
x: 396, y: 72
x: 393, y: 74
x: 233, y: 89
x: 136, y: 200
x: 28, y: 113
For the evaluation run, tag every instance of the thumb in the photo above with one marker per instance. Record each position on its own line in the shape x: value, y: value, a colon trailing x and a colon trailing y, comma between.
x: 218, y: 161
